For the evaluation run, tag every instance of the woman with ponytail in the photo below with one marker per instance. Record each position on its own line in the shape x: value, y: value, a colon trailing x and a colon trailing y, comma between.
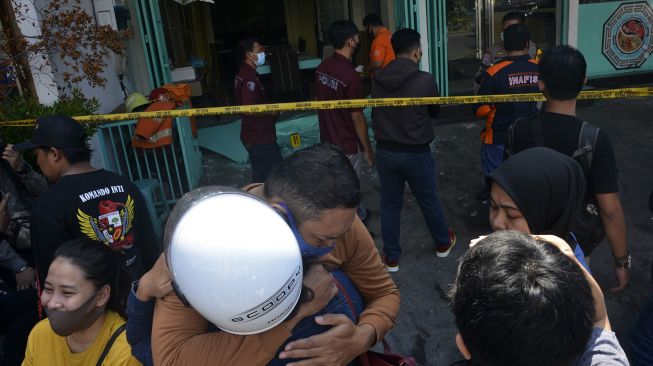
x: 84, y: 297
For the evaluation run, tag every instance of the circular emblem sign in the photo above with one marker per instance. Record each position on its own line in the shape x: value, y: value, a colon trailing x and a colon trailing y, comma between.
x: 627, y: 35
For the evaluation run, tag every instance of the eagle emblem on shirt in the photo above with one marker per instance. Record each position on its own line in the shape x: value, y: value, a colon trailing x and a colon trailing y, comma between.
x: 113, y: 224
x: 251, y: 86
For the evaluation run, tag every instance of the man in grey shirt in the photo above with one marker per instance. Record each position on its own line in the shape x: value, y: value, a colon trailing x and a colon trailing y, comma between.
x: 525, y: 300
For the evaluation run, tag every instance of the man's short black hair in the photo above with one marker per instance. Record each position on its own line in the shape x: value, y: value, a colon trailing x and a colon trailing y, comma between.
x: 405, y: 41
x: 562, y: 69
x: 73, y: 155
x: 246, y: 45
x: 313, y: 180
x: 516, y: 37
x: 372, y: 19
x: 340, y: 31
x: 514, y: 15
x: 521, y: 301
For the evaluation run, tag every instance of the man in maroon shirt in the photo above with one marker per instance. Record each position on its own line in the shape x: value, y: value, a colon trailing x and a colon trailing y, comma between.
x: 257, y: 131
x: 335, y: 79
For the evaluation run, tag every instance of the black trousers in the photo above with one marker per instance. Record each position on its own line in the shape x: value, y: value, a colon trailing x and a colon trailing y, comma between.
x: 263, y: 159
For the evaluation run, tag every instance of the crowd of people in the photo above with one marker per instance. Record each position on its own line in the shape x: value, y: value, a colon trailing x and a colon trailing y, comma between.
x: 85, y: 280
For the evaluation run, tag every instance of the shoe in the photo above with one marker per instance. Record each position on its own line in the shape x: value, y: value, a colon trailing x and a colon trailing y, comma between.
x: 443, y: 250
x: 392, y: 265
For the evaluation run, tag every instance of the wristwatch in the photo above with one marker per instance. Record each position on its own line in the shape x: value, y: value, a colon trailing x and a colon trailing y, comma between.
x: 22, y: 269
x: 623, y: 262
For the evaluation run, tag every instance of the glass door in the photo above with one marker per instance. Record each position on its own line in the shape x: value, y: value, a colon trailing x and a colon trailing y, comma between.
x: 465, y: 28
x: 474, y: 26
x: 540, y: 17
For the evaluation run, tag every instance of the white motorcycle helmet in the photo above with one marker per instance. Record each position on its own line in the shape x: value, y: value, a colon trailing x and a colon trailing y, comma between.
x: 234, y: 259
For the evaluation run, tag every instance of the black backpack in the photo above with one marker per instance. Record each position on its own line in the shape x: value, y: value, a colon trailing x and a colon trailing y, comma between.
x: 588, y: 228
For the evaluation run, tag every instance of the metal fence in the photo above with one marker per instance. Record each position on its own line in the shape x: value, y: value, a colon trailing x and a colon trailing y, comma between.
x: 177, y: 166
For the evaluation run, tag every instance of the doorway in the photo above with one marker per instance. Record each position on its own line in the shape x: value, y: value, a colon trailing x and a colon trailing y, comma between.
x: 473, y: 26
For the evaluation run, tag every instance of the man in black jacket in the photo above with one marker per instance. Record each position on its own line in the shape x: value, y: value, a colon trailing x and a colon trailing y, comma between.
x: 404, y: 135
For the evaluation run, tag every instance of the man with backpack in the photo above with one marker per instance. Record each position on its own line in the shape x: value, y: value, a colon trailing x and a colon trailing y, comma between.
x: 562, y: 71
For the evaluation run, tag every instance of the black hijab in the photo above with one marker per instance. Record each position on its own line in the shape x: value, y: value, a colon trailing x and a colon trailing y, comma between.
x: 547, y: 187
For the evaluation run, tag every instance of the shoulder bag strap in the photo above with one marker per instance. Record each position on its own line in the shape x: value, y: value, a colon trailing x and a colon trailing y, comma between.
x: 363, y: 358
x: 584, y: 154
x: 109, y: 344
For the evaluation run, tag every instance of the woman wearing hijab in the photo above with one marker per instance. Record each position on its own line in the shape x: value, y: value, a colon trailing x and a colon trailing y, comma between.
x: 538, y: 191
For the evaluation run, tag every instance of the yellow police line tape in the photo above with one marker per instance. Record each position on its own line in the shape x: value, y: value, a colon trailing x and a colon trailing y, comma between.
x: 344, y: 104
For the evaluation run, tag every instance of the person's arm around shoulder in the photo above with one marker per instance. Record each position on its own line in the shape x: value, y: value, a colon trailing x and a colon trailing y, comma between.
x: 140, y: 309
x: 181, y: 335
x: 346, y: 340
x: 367, y: 272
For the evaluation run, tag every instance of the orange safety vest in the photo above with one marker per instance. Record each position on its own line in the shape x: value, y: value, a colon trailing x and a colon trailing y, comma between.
x: 154, y: 132
x: 182, y: 94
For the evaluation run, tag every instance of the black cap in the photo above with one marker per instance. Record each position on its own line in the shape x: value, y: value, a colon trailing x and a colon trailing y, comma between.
x: 55, y: 131
x: 516, y: 37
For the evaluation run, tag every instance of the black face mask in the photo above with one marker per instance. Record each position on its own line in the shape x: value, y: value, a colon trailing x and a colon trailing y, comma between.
x: 65, y: 323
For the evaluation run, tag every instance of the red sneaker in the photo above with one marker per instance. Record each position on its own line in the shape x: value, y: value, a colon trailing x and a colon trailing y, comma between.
x: 443, y: 250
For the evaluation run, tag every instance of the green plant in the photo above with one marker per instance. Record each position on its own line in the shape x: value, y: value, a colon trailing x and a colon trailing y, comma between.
x: 20, y: 108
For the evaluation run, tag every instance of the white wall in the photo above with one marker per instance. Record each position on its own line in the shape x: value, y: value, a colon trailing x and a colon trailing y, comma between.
x: 42, y: 73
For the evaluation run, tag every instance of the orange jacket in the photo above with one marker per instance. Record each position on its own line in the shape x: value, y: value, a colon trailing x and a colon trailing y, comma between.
x: 154, y: 132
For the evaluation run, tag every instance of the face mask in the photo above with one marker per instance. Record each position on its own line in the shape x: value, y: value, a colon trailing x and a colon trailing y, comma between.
x: 65, y: 323
x: 306, y: 249
x: 260, y: 59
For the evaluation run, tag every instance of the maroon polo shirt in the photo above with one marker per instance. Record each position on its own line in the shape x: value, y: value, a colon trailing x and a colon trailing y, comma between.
x: 254, y: 130
x: 335, y: 79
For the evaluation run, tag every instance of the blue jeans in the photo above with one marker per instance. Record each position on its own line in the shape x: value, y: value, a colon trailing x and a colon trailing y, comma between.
x: 338, y: 305
x: 263, y: 159
x: 418, y: 169
x: 491, y: 157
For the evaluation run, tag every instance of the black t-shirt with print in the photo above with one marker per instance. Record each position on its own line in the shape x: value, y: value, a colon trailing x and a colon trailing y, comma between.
x: 560, y: 133
x: 100, y: 205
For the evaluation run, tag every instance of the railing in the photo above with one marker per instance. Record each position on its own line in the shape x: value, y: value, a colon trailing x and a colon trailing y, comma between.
x: 177, y: 167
